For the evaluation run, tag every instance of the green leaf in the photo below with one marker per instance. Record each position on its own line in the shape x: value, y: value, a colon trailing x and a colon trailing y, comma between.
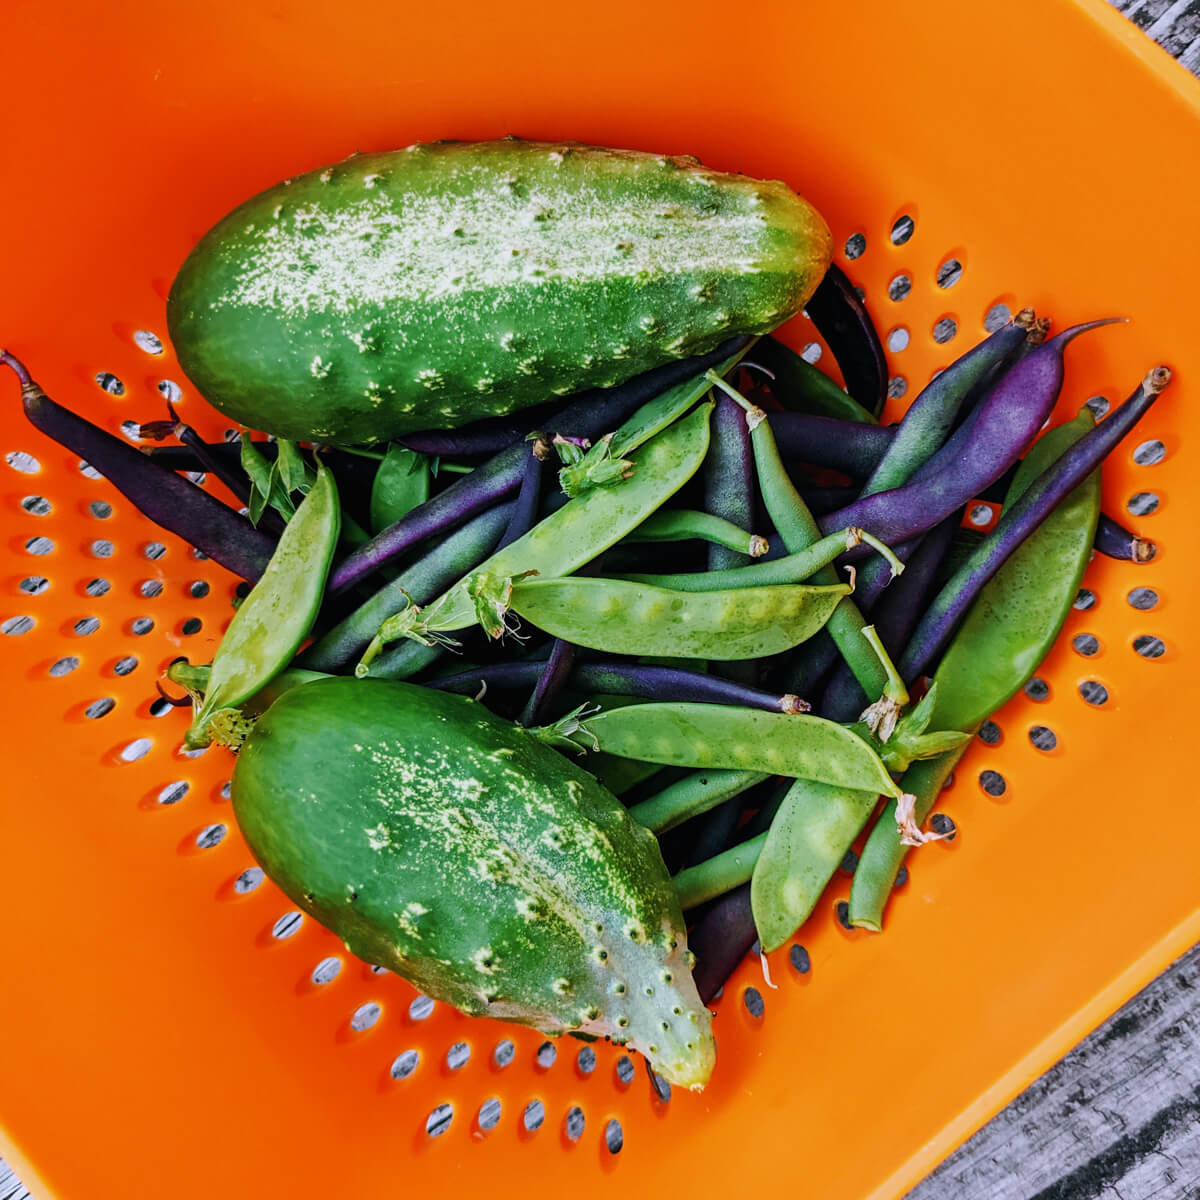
x: 293, y: 470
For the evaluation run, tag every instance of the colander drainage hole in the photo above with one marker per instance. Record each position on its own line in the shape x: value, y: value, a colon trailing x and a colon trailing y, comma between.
x: 106, y: 381
x: 1087, y: 644
x: 287, y: 926
x: 153, y: 550
x: 39, y: 546
x: 614, y: 1136
x: 940, y: 823
x: 990, y: 734
x: 15, y: 626
x: 248, y: 880
x: 126, y: 665
x: 151, y: 343
x: 662, y: 1089
x: 811, y: 352
x: 849, y: 863
x: 1149, y: 454
x: 504, y: 1053
x: 799, y: 958
x: 86, y: 626
x: 150, y: 588
x: 1037, y: 689
x: 34, y: 585
x: 174, y: 792
x: 458, y: 1056
x: 575, y: 1123
x: 136, y: 749
x: 420, y: 1008
x: 899, y: 286
x: 945, y: 330
x: 898, y: 339
x: 1142, y: 598
x: 326, y: 971
x: 1142, y: 504
x: 37, y: 506
x: 88, y: 471
x: 64, y: 666
x: 488, y: 1116
x: 624, y: 1070
x: 856, y: 245
x: 902, y: 230
x: 171, y: 390
x: 22, y: 461
x: 439, y: 1120
x: 993, y: 783
x: 365, y: 1015
x: 101, y: 548
x: 949, y: 273
x: 211, y: 835
x: 100, y: 509
x: 997, y: 316
x: 1084, y: 600
x: 585, y: 1061
x: 1093, y: 692
x: 841, y: 910
x: 1043, y: 738
x: 901, y: 877
x: 897, y: 386
x: 404, y: 1064
x: 99, y: 708
x: 1149, y: 646
x: 547, y: 1052
x: 533, y: 1116
x: 97, y: 587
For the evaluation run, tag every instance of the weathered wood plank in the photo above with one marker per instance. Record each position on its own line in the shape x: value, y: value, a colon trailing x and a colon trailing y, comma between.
x: 1117, y: 1119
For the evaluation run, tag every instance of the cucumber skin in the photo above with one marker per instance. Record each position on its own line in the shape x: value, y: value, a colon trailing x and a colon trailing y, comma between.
x: 460, y: 852
x: 348, y: 349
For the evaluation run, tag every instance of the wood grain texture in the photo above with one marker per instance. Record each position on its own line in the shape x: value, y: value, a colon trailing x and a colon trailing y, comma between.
x: 1119, y: 1117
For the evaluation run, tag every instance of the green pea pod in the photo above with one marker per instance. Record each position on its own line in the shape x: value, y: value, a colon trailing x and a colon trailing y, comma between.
x: 266, y: 631
x: 1005, y: 635
x: 724, y: 737
x: 633, y: 618
x: 805, y: 845
x: 195, y: 679
x: 571, y: 536
x: 401, y: 483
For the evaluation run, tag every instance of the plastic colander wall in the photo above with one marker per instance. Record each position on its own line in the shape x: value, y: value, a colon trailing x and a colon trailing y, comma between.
x: 167, y: 1026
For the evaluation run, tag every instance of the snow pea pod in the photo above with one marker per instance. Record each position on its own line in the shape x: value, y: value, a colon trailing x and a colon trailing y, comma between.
x: 268, y: 627
x: 680, y: 524
x: 723, y: 737
x: 692, y: 795
x: 400, y: 484
x: 1005, y: 635
x: 565, y: 540
x: 631, y: 618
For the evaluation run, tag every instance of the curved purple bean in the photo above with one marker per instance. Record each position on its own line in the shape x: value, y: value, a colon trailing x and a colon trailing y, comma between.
x: 721, y: 939
x: 841, y: 318
x: 498, y: 433
x: 590, y: 415
x: 1113, y: 540
x: 550, y: 682
x: 525, y: 511
x: 1025, y: 515
x: 932, y: 414
x: 167, y: 499
x: 851, y: 446
x: 665, y: 684
x: 1007, y: 419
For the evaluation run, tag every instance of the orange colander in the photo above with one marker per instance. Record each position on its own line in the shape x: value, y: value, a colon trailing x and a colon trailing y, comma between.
x: 167, y: 1026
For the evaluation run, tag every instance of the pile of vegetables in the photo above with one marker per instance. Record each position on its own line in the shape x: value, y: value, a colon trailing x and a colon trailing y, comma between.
x: 556, y: 707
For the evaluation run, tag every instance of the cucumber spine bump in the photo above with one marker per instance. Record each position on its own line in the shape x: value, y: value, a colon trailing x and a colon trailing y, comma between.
x: 459, y: 851
x: 449, y: 282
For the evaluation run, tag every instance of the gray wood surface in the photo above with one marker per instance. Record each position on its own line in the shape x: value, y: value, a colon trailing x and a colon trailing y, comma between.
x: 1119, y: 1117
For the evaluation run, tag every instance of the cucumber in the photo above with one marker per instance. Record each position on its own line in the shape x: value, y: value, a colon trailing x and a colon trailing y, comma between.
x: 452, y: 281
x: 457, y: 850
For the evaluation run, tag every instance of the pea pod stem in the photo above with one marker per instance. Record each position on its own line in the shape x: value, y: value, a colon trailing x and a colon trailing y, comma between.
x: 721, y: 873
x: 167, y: 499
x: 681, y: 524
x: 623, y: 679
x: 793, y: 568
x: 798, y: 530
x: 690, y: 796
x: 1021, y: 519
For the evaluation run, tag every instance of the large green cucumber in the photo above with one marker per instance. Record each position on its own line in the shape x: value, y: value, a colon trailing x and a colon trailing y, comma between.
x: 450, y: 281
x: 457, y: 850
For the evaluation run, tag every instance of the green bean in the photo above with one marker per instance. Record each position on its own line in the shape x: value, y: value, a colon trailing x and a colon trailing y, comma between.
x: 690, y: 796
x: 798, y: 530
x: 631, y: 618
x: 719, y: 874
x: 808, y: 839
x: 682, y: 523
x: 1004, y: 637
x: 571, y: 536
x: 400, y: 484
x: 792, y: 568
x: 268, y: 628
x: 720, y: 736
